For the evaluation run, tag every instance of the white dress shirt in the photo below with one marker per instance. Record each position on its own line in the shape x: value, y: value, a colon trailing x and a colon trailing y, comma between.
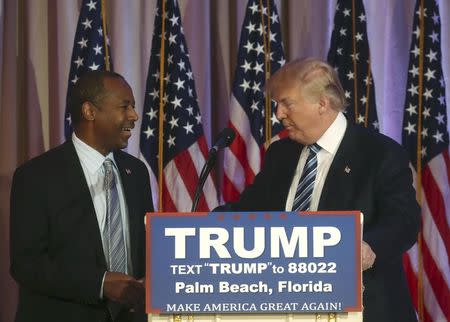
x: 92, y: 163
x: 329, y: 143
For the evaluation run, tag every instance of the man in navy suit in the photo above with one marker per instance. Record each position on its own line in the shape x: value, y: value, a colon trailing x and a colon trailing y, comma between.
x: 61, y: 246
x: 354, y: 170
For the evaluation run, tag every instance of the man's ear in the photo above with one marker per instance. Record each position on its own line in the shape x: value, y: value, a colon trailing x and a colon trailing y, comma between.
x: 324, y: 104
x: 88, y: 111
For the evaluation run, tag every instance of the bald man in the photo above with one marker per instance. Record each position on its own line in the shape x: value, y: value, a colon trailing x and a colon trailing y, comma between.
x: 77, y: 215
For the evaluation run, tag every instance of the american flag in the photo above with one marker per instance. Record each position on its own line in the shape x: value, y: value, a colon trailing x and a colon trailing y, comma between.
x: 350, y: 55
x: 88, y: 48
x: 242, y: 160
x: 184, y: 145
x: 426, y: 138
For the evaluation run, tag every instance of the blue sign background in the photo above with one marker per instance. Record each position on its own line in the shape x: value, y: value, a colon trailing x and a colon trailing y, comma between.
x: 161, y: 279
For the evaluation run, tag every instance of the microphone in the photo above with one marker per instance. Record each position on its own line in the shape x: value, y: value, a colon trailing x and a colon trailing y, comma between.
x: 226, y: 137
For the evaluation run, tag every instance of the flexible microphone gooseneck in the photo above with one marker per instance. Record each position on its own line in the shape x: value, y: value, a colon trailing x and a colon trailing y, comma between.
x: 226, y: 137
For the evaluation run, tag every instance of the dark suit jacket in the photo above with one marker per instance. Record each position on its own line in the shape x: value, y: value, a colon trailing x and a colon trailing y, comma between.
x: 380, y: 185
x: 56, y: 249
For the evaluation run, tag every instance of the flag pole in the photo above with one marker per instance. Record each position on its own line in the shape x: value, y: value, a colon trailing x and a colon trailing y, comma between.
x: 161, y: 108
x: 176, y: 317
x: 355, y: 77
x: 266, y: 42
x: 419, y: 160
x: 369, y: 76
x: 105, y: 36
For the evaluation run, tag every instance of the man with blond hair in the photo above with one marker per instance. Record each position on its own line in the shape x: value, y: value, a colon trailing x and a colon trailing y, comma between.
x: 328, y: 163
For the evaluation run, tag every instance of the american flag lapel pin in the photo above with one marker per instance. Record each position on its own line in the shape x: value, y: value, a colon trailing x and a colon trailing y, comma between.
x: 128, y: 171
x: 347, y: 169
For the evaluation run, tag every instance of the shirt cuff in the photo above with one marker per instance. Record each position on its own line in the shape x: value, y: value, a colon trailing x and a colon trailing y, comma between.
x: 101, y: 288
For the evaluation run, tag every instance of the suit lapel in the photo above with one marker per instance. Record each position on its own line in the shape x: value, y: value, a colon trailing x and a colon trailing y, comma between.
x: 79, y: 195
x: 285, y: 174
x: 340, y: 175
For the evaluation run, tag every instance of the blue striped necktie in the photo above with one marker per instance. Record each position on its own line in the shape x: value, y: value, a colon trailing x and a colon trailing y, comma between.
x: 113, y: 231
x: 305, y: 186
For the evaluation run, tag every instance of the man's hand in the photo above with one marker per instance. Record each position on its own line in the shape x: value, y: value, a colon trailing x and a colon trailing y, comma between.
x: 367, y: 256
x: 124, y: 289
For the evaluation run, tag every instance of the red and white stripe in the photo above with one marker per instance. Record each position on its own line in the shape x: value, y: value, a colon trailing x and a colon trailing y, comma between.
x: 181, y: 176
x: 243, y: 158
x: 435, y: 251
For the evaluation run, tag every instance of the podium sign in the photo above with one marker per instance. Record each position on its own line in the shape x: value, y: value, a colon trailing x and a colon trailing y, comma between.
x: 256, y: 262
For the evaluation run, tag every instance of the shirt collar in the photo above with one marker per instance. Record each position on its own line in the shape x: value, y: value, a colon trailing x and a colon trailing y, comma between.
x: 332, y: 137
x: 90, y: 157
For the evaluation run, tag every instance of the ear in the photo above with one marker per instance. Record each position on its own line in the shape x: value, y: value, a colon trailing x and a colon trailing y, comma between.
x: 324, y: 104
x: 88, y: 111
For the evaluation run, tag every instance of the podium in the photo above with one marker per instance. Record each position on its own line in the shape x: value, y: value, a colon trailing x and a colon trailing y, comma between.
x: 254, y: 266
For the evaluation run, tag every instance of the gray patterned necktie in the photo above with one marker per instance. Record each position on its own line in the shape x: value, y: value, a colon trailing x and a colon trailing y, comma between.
x: 305, y: 186
x: 113, y: 231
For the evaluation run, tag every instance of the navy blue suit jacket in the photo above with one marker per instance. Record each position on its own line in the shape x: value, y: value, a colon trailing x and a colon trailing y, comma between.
x: 379, y: 184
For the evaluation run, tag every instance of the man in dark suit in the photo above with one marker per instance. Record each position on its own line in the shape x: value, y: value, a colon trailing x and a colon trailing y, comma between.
x: 329, y: 164
x: 77, y: 215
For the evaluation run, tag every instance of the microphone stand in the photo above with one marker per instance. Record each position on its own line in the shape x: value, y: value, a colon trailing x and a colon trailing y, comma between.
x: 225, y: 139
x: 212, y: 156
